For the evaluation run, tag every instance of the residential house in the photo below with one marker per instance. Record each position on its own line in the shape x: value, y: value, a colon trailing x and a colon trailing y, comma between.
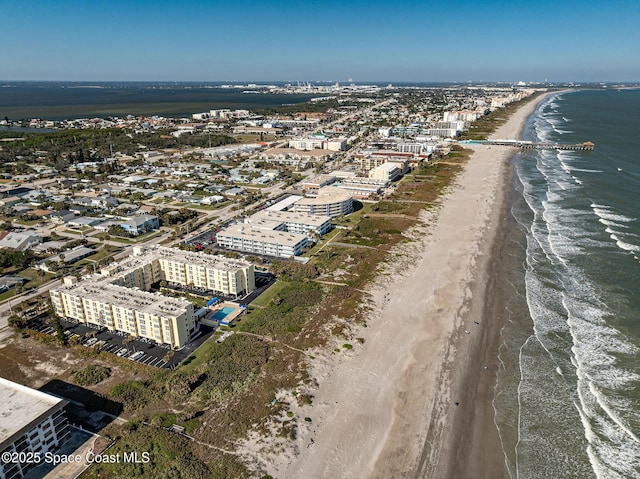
x: 141, y: 224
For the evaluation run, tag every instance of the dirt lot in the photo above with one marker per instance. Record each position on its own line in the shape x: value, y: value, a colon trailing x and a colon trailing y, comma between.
x: 34, y: 364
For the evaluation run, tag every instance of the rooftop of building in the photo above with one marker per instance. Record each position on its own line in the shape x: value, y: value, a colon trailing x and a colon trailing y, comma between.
x: 22, y: 407
x: 302, y: 153
x: 290, y: 217
x: 249, y: 232
x: 319, y: 180
x: 99, y: 288
x: 150, y: 253
x: 327, y: 195
x: 284, y: 204
x: 388, y: 166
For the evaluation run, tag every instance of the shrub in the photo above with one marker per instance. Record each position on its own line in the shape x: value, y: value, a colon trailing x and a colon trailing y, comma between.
x: 91, y: 374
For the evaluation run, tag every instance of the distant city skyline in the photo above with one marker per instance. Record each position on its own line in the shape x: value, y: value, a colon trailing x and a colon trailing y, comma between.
x: 411, y: 41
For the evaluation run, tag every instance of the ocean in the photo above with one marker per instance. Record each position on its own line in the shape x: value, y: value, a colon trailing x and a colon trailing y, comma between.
x: 567, y: 398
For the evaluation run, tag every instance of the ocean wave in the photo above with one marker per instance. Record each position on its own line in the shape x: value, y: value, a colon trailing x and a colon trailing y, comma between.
x: 607, y: 213
x: 587, y: 361
x: 624, y: 245
x: 586, y: 170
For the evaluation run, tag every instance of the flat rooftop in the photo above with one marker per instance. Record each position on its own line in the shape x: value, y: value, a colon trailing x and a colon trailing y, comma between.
x: 247, y: 232
x: 189, y: 257
x: 22, y: 408
x: 291, y: 217
x: 284, y: 204
x: 388, y: 166
x: 327, y: 195
x: 98, y: 288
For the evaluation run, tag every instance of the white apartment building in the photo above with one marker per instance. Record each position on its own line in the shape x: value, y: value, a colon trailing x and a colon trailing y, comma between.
x: 313, y: 183
x: 117, y: 298
x: 274, y: 233
x: 458, y: 125
x: 151, y: 264
x: 362, y: 187
x: 385, y: 132
x: 385, y: 172
x: 138, y: 313
x: 260, y: 240
x: 329, y: 201
x: 307, y: 144
x: 31, y: 421
x: 466, y: 115
x: 312, y: 143
x: 415, y: 148
x: 336, y: 144
x: 443, y: 132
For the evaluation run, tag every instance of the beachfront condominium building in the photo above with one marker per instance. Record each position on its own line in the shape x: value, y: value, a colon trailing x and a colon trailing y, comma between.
x: 118, y: 297
x: 410, y: 147
x: 274, y: 233
x: 385, y: 172
x: 151, y: 264
x: 30, y: 422
x: 138, y: 313
x: 329, y: 201
x: 319, y: 143
x: 259, y: 239
x: 213, y: 273
x: 362, y: 188
x: 307, y: 144
x: 293, y: 222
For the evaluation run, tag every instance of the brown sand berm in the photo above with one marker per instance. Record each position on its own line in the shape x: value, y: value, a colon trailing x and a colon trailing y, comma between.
x: 415, y: 400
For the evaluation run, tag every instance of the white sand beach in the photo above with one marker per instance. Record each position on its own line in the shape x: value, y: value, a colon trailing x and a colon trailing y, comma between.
x: 387, y: 408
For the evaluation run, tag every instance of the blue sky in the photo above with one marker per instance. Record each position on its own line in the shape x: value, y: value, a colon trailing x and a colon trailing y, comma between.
x: 457, y: 40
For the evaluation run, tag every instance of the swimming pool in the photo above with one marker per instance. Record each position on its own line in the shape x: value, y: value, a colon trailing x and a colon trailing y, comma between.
x: 223, y: 313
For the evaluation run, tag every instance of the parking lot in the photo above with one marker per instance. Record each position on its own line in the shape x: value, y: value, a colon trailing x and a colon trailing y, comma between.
x: 115, y: 342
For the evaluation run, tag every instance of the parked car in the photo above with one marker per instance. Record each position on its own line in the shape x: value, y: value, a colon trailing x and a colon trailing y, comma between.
x: 136, y: 356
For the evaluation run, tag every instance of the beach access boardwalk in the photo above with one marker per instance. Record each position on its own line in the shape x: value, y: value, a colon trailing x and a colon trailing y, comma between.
x: 533, y: 145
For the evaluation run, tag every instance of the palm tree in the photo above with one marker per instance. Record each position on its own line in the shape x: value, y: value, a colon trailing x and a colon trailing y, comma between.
x: 168, y: 357
x: 127, y: 340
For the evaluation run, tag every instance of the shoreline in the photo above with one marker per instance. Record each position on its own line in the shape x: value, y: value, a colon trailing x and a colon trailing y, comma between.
x: 473, y: 434
x: 387, y: 408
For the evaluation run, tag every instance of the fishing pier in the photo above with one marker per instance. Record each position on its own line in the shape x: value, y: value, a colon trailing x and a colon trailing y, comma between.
x: 534, y: 145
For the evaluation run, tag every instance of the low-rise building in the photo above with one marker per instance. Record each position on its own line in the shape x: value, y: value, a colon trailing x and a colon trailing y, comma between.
x: 362, y: 188
x: 293, y: 222
x: 307, y: 144
x: 274, y: 233
x: 141, y: 224
x: 20, y: 241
